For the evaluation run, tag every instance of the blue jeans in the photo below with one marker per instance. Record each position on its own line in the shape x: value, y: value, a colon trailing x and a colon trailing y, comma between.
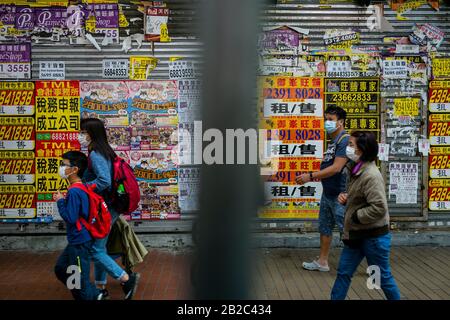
x: 77, y: 255
x: 103, y: 263
x: 376, y: 250
x: 331, y: 213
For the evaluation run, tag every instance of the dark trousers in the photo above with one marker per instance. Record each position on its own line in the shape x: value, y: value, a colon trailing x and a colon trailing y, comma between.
x: 75, y: 261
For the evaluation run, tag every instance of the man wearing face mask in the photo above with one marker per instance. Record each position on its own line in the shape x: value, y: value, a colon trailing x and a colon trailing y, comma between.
x: 333, y: 182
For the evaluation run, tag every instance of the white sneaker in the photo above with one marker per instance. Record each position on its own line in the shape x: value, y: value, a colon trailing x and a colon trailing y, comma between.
x: 315, y: 266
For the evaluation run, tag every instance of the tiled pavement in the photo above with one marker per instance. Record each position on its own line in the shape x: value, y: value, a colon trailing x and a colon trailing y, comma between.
x: 421, y: 273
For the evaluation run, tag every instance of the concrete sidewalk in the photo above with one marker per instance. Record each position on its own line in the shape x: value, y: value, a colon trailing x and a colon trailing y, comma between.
x: 421, y: 273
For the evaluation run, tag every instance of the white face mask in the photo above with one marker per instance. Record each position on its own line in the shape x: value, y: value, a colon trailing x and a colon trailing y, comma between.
x: 350, y: 152
x: 82, y: 139
x: 62, y: 172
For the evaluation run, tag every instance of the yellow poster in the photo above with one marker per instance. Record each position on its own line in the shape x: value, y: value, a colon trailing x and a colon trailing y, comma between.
x: 291, y: 112
x: 140, y: 67
x: 406, y: 107
x: 441, y: 67
x: 17, y: 202
x: 57, y: 106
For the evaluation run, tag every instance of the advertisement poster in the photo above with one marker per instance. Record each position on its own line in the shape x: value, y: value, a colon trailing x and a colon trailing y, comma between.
x: 441, y: 67
x: 16, y: 99
x: 57, y: 127
x: 156, y: 15
x: 104, y: 20
x: 439, y: 96
x: 439, y: 195
x: 189, y: 189
x: 149, y: 98
x: 291, y: 111
x: 105, y: 100
x: 17, y: 134
x: 17, y: 167
x: 189, y: 96
x: 413, y: 68
x: 140, y: 67
x: 15, y: 61
x: 404, y: 182
x: 439, y: 139
x: 17, y: 202
x: 360, y: 98
x: 157, y: 176
x: 284, y: 40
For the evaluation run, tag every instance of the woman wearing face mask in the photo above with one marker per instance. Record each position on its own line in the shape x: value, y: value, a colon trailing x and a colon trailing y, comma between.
x: 101, y: 156
x: 366, y: 223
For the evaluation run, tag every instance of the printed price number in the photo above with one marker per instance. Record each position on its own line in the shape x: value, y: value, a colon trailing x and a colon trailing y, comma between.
x: 440, y: 129
x: 181, y: 73
x: 16, y: 132
x: 16, y: 97
x: 440, y: 96
x: 17, y: 201
x: 439, y: 194
x: 18, y: 166
x: 343, y: 97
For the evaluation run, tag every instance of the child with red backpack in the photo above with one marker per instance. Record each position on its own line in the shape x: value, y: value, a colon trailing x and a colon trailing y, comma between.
x: 73, y: 265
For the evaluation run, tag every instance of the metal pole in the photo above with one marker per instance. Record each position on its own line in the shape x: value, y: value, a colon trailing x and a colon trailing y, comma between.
x: 230, y: 193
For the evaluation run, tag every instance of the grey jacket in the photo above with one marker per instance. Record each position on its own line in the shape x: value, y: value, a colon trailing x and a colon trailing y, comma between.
x: 367, y: 213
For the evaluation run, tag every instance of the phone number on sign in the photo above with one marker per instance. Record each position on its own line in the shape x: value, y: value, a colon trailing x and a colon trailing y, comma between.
x: 15, y: 201
x: 115, y: 72
x: 16, y: 70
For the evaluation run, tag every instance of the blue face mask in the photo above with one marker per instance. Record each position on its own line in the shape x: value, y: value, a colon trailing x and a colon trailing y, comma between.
x: 330, y: 126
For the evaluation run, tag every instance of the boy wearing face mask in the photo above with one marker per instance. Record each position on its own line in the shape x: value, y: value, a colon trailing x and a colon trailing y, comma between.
x: 75, y: 256
x: 333, y: 181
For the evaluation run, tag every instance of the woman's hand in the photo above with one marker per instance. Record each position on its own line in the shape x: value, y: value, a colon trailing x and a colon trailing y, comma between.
x: 342, y: 198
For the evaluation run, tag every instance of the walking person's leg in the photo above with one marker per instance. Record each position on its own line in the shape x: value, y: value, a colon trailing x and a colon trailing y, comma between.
x: 348, y: 263
x: 61, y: 266
x: 377, y: 251
x: 326, y: 225
x: 88, y: 289
x: 105, y: 264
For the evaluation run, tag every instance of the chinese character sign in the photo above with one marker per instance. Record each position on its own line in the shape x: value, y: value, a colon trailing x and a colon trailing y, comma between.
x: 291, y: 116
x: 439, y: 137
x: 17, y: 143
x: 57, y: 127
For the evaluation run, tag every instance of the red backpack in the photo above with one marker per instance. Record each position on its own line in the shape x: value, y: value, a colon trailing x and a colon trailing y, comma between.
x: 99, y: 220
x: 125, y: 189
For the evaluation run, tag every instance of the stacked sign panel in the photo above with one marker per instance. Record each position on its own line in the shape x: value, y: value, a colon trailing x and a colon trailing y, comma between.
x: 57, y: 127
x: 17, y: 143
x: 439, y: 136
x: 291, y: 114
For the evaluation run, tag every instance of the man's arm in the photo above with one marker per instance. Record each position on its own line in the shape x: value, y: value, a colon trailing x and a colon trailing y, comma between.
x: 337, y: 166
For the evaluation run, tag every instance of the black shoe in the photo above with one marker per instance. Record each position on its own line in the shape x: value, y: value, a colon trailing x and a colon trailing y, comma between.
x: 129, y: 287
x: 105, y: 294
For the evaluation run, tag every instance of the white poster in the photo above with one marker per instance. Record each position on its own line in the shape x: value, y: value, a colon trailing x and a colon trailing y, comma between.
x: 52, y: 70
x: 116, y: 68
x: 181, y: 70
x: 395, y: 69
x: 189, y: 189
x: 404, y: 182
